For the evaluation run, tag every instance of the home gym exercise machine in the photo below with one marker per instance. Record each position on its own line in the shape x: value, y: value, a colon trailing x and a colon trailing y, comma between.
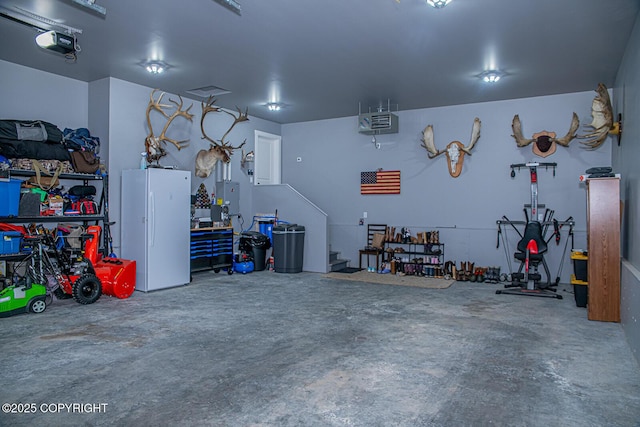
x: 533, y: 242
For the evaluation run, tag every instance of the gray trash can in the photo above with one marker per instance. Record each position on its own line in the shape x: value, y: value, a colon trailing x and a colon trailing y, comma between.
x: 288, y: 248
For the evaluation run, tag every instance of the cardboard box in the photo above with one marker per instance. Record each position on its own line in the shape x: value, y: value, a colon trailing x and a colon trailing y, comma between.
x: 56, y: 204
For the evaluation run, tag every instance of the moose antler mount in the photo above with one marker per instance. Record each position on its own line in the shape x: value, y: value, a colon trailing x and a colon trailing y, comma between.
x: 154, y: 144
x: 220, y: 149
x: 455, y: 151
x: 602, y: 120
x: 544, y: 141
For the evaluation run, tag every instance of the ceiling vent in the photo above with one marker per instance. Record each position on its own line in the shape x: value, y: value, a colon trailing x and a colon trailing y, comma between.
x: 207, y: 91
x: 380, y: 122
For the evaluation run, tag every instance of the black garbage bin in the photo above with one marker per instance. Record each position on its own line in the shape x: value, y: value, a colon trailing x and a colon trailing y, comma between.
x: 288, y: 248
x: 256, y: 244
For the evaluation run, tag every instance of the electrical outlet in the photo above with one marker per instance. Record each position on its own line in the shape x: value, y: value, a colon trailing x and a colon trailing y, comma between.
x: 364, y: 214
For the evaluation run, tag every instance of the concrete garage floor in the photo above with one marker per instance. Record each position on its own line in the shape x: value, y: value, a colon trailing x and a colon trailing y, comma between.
x: 270, y: 349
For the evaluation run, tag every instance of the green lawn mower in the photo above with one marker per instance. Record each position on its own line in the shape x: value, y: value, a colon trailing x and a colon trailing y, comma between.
x: 22, y: 298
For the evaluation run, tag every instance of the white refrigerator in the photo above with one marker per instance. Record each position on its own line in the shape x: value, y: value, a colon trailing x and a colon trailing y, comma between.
x: 155, y: 226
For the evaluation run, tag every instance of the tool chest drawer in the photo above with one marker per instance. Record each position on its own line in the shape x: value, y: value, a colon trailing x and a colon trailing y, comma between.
x: 211, y: 248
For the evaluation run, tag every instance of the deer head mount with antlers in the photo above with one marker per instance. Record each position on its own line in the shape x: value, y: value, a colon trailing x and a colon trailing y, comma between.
x: 455, y: 151
x: 545, y: 142
x: 602, y: 123
x: 219, y: 150
x: 154, y: 144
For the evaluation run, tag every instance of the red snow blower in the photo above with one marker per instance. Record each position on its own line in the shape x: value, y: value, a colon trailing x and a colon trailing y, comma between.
x: 85, y: 276
x: 118, y: 276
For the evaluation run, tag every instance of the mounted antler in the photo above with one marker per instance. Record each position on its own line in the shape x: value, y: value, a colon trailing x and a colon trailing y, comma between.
x: 516, y: 126
x: 152, y: 143
x: 219, y: 150
x: 565, y: 140
x: 544, y: 141
x: 206, y: 109
x: 602, y: 123
x: 475, y: 135
x: 428, y: 144
x: 455, y: 151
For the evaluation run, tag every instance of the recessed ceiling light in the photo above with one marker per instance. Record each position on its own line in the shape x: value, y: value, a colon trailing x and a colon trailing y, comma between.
x: 438, y: 4
x: 491, y: 76
x: 274, y: 106
x: 155, y: 67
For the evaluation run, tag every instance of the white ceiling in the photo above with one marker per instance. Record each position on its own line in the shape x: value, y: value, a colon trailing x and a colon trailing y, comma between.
x: 322, y: 58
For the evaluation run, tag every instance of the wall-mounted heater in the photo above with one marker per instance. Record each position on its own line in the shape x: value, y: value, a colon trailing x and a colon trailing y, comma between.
x: 379, y: 122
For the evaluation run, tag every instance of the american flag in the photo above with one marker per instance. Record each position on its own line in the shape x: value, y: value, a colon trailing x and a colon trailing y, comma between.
x: 380, y: 182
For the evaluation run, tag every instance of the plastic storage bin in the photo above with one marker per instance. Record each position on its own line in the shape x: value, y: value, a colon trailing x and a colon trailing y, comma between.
x: 580, y: 291
x: 10, y: 242
x: 580, y: 260
x: 288, y: 248
x: 10, y: 197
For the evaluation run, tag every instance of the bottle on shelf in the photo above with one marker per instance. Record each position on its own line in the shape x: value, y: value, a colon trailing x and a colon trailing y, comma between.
x: 143, y: 160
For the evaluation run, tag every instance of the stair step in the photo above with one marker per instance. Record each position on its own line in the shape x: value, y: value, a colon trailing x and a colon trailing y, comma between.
x: 338, y: 264
x: 333, y: 255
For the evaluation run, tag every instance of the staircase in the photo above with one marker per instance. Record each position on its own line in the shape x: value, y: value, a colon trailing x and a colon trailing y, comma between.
x: 337, y: 263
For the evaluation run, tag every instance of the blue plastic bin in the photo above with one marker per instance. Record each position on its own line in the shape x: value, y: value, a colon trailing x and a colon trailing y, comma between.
x: 10, y: 242
x: 10, y: 197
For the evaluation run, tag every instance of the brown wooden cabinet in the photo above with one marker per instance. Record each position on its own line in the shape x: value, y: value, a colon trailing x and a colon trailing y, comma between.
x: 603, y: 240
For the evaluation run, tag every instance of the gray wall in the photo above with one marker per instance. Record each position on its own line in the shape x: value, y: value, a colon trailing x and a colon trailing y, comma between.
x: 294, y: 208
x: 625, y: 161
x: 29, y: 94
x: 464, y: 209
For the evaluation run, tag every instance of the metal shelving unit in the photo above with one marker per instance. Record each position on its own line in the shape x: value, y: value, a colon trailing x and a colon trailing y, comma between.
x: 101, y: 217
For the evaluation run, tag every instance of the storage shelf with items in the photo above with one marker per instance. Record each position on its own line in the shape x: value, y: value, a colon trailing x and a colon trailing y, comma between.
x: 420, y: 255
x: 212, y: 248
x: 25, y: 208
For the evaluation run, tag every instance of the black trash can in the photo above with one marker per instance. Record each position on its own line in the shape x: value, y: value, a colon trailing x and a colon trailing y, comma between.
x: 288, y: 248
x: 256, y: 244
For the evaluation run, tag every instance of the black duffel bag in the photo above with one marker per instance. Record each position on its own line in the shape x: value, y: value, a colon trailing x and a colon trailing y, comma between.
x: 35, y: 139
x: 30, y: 130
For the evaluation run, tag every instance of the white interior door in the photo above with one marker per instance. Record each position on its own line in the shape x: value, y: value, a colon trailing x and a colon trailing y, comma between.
x: 267, y: 167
